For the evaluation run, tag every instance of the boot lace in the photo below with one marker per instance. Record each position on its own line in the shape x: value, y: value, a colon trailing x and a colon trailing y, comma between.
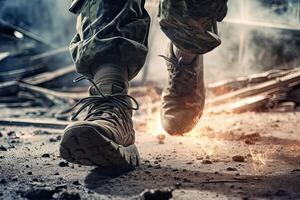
x: 103, y: 107
x: 181, y: 75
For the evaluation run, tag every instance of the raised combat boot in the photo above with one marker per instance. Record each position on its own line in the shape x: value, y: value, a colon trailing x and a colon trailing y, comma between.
x: 106, y: 136
x: 184, y: 97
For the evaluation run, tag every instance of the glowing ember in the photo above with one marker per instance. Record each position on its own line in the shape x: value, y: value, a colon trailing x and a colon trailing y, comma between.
x: 161, y: 138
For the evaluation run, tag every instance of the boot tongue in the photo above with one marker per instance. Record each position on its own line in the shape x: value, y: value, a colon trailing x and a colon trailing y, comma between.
x: 108, y: 89
x: 110, y: 79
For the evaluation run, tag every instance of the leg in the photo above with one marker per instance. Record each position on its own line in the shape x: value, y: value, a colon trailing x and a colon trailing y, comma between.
x: 109, y: 50
x: 184, y: 96
x: 111, y: 33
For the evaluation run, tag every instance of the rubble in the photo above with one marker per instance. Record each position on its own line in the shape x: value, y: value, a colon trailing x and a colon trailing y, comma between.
x: 238, y: 158
x: 274, y: 90
x: 157, y: 194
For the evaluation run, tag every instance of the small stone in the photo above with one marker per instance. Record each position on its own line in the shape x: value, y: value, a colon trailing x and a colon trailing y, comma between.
x: 52, y: 140
x: 38, y: 193
x: 1, y: 134
x: 40, y: 132
x: 281, y: 193
x: 46, y: 155
x: 177, y: 185
x: 76, y: 182
x: 3, y: 181
x: 29, y: 173
x: 11, y: 134
x: 199, y: 158
x: 2, y: 148
x: 15, y: 178
x: 63, y: 164
x: 61, y: 187
x: 161, y: 138
x: 69, y: 196
x: 206, y: 162
x: 231, y: 169
x: 238, y: 158
x: 186, y: 180
x: 164, y: 194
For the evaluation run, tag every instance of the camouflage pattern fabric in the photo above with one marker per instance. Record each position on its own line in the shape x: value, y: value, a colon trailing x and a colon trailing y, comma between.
x: 110, y: 32
x: 191, y: 24
x: 116, y: 32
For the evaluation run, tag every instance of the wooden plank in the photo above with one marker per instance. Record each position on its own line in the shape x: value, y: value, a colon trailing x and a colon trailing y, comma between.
x: 289, y: 80
x: 9, y: 88
x: 49, y: 76
x: 40, y: 123
x: 53, y: 94
x: 229, y: 85
x: 252, y: 103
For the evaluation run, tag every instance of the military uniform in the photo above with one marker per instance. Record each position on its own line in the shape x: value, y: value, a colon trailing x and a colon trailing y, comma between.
x: 116, y: 32
x: 110, y: 48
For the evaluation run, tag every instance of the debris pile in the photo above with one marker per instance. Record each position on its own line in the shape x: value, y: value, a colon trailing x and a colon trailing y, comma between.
x: 274, y: 90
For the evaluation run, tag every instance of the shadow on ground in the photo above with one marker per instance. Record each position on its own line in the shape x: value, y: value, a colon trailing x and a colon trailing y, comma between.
x: 132, y: 183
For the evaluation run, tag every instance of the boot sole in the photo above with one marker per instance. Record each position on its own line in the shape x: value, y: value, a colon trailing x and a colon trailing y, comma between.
x: 89, y: 147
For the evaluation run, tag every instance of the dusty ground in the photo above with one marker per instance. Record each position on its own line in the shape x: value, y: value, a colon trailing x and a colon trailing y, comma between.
x: 197, y: 166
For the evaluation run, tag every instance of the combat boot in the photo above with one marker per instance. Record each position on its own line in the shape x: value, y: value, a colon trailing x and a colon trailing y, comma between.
x: 184, y: 97
x: 106, y: 136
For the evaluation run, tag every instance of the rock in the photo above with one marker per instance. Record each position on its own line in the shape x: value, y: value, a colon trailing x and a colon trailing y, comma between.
x: 46, y: 155
x: 68, y: 196
x: 251, y: 139
x: 281, y: 193
x: 1, y: 134
x: 58, y: 138
x: 76, y: 182
x: 161, y: 138
x: 15, y: 178
x: 238, y: 158
x: 231, y: 169
x: 186, y: 180
x: 41, y: 132
x: 29, y: 173
x: 206, y: 162
x: 295, y: 171
x: 11, y: 134
x: 3, y: 181
x: 61, y: 187
x: 199, y: 158
x: 52, y: 140
x: 164, y: 194
x: 177, y: 185
x: 38, y: 194
x: 63, y: 164
x: 2, y: 148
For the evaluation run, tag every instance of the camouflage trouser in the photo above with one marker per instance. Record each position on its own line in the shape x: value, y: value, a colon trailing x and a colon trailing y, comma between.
x: 116, y: 31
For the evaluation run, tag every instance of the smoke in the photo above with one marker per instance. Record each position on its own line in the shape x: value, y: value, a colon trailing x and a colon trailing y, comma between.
x: 257, y: 35
x: 49, y: 19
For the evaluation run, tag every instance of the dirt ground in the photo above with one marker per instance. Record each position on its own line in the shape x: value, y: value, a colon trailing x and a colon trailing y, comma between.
x: 245, y: 156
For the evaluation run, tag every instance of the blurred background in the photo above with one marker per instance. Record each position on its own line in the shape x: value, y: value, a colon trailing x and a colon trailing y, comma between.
x: 257, y: 35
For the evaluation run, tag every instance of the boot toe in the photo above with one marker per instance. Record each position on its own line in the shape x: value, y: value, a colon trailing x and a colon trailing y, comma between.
x: 179, y: 122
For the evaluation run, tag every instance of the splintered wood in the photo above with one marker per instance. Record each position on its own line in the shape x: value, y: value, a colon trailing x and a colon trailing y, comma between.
x: 277, y: 90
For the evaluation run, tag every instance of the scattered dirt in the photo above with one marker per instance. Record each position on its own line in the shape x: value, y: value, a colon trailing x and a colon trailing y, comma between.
x: 199, y: 165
